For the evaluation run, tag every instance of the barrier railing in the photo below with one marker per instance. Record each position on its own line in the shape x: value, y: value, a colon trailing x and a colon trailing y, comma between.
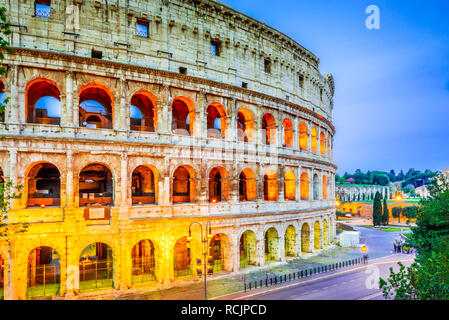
x: 274, y: 280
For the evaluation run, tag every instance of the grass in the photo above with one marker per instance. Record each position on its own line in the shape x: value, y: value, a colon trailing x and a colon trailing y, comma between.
x: 387, y: 229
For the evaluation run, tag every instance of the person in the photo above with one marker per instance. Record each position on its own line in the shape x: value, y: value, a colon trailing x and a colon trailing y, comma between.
x: 395, y: 247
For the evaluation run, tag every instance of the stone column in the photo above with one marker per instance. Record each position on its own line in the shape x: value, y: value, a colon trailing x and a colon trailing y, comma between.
x: 67, y: 117
x: 259, y: 184
x: 69, y: 179
x: 13, y: 174
x: 125, y: 199
x: 281, y: 183
x: 298, y: 185
x: 13, y: 107
x: 295, y: 134
x: 282, y: 247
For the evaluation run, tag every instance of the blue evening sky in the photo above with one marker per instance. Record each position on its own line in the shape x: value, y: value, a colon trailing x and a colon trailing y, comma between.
x: 391, y: 106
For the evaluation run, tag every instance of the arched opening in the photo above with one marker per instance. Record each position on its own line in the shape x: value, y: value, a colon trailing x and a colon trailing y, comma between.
x: 182, y: 259
x: 44, y: 186
x: 143, y: 186
x: 248, y: 249
x: 2, y: 279
x: 245, y: 125
x: 324, y: 187
x: 317, y: 235
x: 328, y: 146
x: 43, y: 102
x: 44, y: 273
x: 96, y: 267
x: 142, y: 112
x: 304, y: 186
x: 322, y: 143
x: 271, y: 241
x: 143, y: 262
x: 287, y: 133
x: 316, y: 187
x: 268, y: 129
x: 96, y: 107
x: 303, y: 136
x: 305, y: 238
x: 218, y: 185
x: 290, y: 186
x: 290, y: 241
x: 216, y: 121
x: 247, y: 185
x: 183, y: 185
x: 314, y: 141
x: 183, y: 116
x: 96, y: 186
x: 219, y: 248
x: 325, y: 238
x: 2, y: 102
x: 270, y: 187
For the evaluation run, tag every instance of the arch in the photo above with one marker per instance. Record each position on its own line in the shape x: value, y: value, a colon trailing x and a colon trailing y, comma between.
x: 96, y: 106
x: 268, y: 129
x: 43, y: 272
x: 143, y: 185
x: 317, y: 235
x: 219, y: 251
x: 183, y: 185
x: 271, y: 241
x: 324, y: 187
x: 304, y: 186
x: 216, y: 121
x: 96, y: 186
x: 316, y: 187
x: 96, y: 267
x: 290, y: 186
x: 245, y: 125
x: 143, y: 262
x: 218, y: 185
x: 314, y: 140
x: 287, y: 133
x: 143, y: 115
x: 247, y: 185
x: 325, y: 233
x: 2, y: 101
x: 270, y: 187
x: 248, y: 249
x: 182, y: 258
x: 303, y: 136
x: 44, y: 186
x: 290, y: 241
x: 183, y: 116
x: 305, y: 238
x: 322, y: 143
x: 43, y: 102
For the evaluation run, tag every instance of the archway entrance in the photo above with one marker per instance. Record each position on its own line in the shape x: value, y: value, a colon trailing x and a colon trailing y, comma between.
x: 305, y: 238
x: 183, y: 185
x: 325, y: 238
x: 143, y: 262
x: 304, y: 186
x: 316, y: 236
x: 248, y: 249
x: 142, y: 115
x: 44, y: 273
x: 218, y: 185
x: 183, y: 116
x: 245, y: 125
x: 43, y: 102
x: 271, y: 245
x: 216, y: 121
x: 268, y: 129
x: 290, y: 242
x: 143, y: 186
x: 44, y: 185
x: 247, y: 185
x: 96, y: 107
x: 290, y: 186
x: 96, y: 267
x: 218, y: 251
x: 95, y: 186
x: 270, y: 187
x: 182, y: 259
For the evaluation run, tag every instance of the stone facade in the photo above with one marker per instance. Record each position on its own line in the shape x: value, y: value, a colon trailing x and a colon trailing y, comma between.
x: 224, y: 142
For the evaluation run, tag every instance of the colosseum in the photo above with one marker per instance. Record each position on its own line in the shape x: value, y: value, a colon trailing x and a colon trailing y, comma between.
x: 129, y: 122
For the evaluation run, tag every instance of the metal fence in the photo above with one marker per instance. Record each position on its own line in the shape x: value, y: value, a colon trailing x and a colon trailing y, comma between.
x: 143, y: 270
x: 96, y: 274
x: 43, y: 280
x: 273, y: 280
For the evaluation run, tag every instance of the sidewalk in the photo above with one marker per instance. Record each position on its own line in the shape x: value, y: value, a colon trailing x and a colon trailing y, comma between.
x: 225, y: 284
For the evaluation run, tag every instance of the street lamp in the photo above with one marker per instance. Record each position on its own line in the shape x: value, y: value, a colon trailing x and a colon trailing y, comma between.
x: 205, y: 247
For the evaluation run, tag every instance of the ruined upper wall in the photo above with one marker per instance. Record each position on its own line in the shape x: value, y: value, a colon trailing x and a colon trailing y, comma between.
x: 180, y: 33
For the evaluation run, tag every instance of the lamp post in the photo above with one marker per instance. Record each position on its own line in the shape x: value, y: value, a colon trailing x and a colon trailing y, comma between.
x: 205, y: 246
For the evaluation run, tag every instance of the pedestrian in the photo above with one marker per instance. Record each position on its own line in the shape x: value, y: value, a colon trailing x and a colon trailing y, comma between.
x: 394, y: 245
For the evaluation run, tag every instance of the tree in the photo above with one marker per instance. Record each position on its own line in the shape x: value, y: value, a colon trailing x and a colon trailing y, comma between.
x: 428, y: 277
x: 386, y: 213
x: 396, y: 213
x: 377, y: 209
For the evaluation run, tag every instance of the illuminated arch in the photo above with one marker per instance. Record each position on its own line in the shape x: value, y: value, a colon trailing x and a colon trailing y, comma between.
x: 143, y: 262
x: 305, y: 238
x: 96, y: 107
x: 182, y: 258
x: 44, y: 272
x: 183, y: 116
x: 144, y: 185
x: 44, y: 185
x: 290, y: 186
x: 143, y: 112
x: 271, y: 241
x: 314, y: 140
x: 324, y: 187
x: 287, y: 133
x: 268, y: 129
x: 303, y: 136
x: 290, y: 241
x: 322, y: 143
x: 317, y: 235
x: 96, y: 186
x: 218, y: 185
x: 183, y: 185
x: 43, y: 102
x: 96, y: 267
x: 270, y: 188
x: 216, y: 121
x: 247, y: 185
x: 304, y: 186
x: 325, y: 233
x: 219, y: 251
x: 245, y: 125
x: 316, y: 187
x: 248, y: 249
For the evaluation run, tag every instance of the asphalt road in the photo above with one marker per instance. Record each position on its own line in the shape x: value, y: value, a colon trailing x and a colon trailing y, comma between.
x: 379, y: 243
